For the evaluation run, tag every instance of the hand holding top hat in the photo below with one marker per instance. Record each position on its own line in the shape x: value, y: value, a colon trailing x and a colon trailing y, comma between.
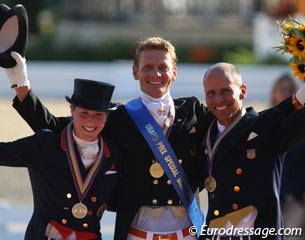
x: 13, y: 33
x: 13, y: 43
x: 17, y: 75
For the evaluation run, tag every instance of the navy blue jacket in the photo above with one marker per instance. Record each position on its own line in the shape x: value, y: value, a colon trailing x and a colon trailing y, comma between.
x: 293, y: 179
x: 248, y: 171
x: 54, y: 193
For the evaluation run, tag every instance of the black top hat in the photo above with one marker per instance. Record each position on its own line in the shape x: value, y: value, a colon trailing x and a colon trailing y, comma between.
x: 92, y: 95
x: 13, y: 33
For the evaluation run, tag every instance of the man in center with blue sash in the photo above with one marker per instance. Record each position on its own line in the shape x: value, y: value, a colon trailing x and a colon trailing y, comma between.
x: 160, y: 140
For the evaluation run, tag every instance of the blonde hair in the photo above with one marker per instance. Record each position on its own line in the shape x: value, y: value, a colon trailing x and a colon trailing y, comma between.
x: 155, y: 43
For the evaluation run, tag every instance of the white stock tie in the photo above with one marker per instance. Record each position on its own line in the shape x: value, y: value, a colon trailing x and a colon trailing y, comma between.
x: 88, y: 150
x: 158, y: 107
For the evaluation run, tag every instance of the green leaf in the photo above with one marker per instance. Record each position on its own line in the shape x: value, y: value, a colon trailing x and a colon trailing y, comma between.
x: 297, y: 60
x: 298, y: 32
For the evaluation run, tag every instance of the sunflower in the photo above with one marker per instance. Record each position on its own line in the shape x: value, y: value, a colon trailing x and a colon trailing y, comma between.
x: 296, y: 46
x: 301, y: 27
x: 287, y: 28
x: 298, y: 70
x: 293, y: 42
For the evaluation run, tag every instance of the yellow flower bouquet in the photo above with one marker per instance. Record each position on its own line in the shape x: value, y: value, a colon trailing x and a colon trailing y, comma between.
x: 293, y: 39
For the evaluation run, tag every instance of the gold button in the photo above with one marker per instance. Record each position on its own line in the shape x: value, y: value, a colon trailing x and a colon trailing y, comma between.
x: 169, y: 182
x: 180, y: 161
x: 154, y: 201
x: 85, y: 225
x: 64, y: 221
x: 239, y: 171
x: 93, y: 199
x: 234, y: 206
x: 236, y: 188
x: 69, y: 195
x: 169, y: 201
x: 155, y: 181
x: 216, y: 212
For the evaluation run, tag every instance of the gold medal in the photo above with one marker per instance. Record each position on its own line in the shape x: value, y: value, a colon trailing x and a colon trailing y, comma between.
x: 210, y: 184
x: 156, y: 170
x: 79, y: 210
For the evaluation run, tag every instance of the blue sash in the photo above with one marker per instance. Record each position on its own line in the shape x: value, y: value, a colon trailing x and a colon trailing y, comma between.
x: 162, y: 150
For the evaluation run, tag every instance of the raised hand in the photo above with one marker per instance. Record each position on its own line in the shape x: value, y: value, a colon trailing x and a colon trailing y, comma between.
x: 17, y: 75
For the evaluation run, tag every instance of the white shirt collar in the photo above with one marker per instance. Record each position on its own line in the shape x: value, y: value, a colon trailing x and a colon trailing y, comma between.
x: 82, y: 143
x: 88, y: 150
x: 221, y: 127
x: 165, y: 99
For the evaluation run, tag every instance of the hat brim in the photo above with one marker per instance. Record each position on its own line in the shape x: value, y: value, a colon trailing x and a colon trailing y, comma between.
x: 13, y: 33
x: 112, y: 106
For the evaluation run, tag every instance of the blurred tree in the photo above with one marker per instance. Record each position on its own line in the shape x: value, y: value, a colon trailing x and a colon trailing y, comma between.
x: 240, y: 55
x: 33, y: 9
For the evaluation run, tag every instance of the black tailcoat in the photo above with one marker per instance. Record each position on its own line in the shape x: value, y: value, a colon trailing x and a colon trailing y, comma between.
x: 54, y: 193
x: 137, y: 187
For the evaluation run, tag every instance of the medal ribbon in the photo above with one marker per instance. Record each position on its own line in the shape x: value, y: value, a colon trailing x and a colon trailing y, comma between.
x: 82, y: 185
x: 212, y: 149
x: 168, y: 123
x: 162, y: 150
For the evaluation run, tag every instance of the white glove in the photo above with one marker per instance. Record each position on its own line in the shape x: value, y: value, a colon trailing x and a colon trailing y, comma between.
x: 17, y: 75
x: 300, y: 94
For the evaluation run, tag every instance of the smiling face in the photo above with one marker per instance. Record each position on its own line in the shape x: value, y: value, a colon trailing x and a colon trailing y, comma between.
x: 87, y: 123
x: 155, y: 72
x: 223, y: 95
